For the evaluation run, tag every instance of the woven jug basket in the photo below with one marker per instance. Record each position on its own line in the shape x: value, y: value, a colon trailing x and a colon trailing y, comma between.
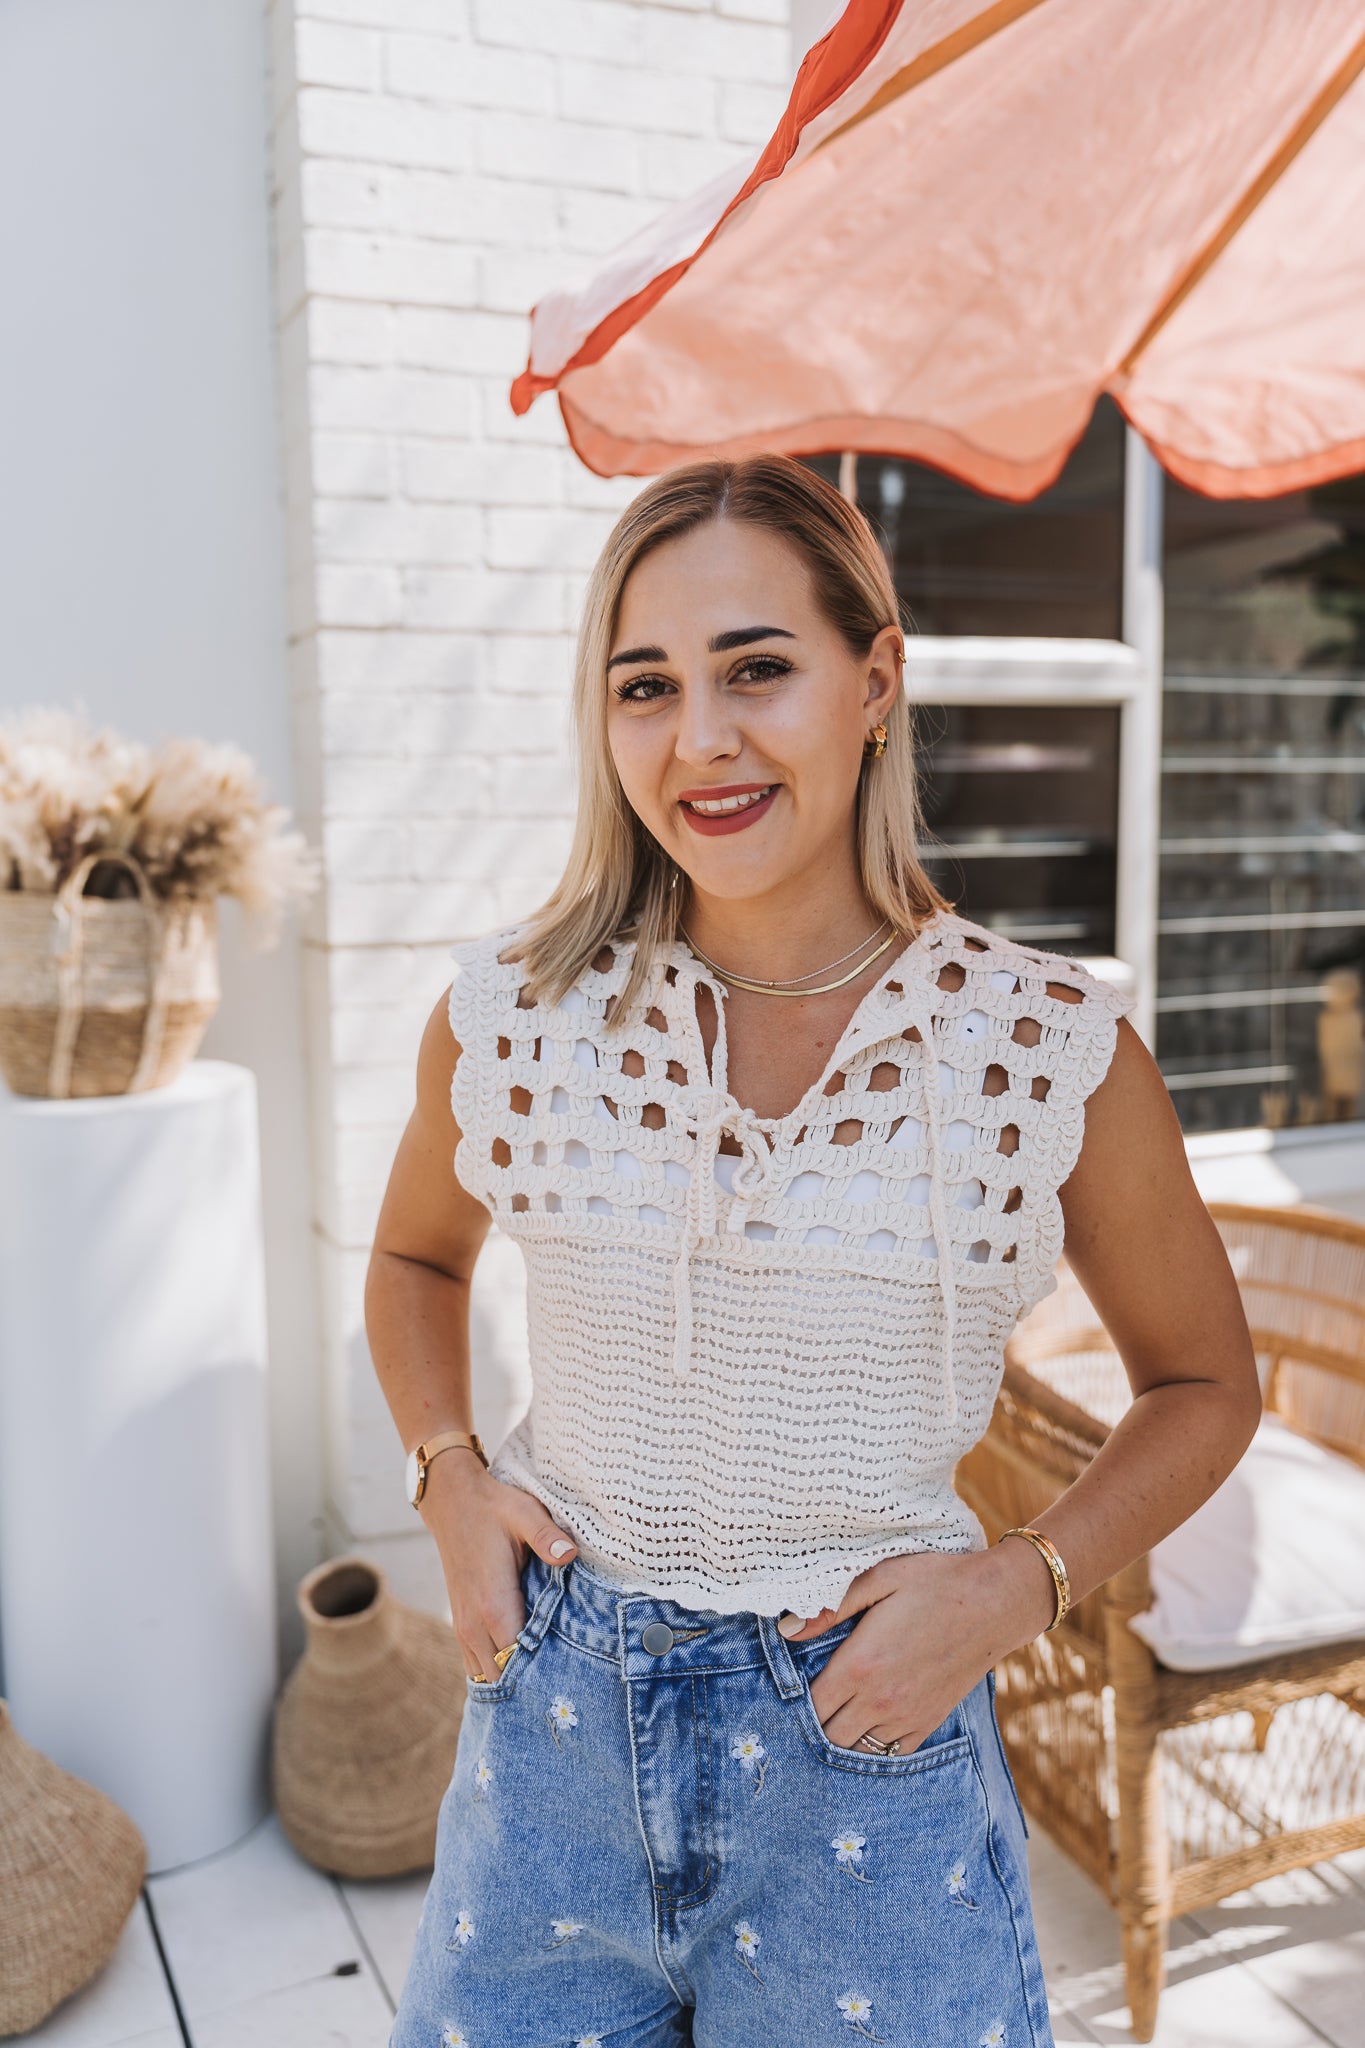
x: 366, y: 1726
x: 71, y: 1867
x: 102, y: 997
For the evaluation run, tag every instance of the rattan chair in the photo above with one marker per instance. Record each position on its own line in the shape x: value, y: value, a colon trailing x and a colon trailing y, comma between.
x: 1174, y: 1789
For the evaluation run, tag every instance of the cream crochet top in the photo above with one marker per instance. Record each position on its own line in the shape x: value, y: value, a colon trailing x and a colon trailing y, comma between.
x: 754, y: 1369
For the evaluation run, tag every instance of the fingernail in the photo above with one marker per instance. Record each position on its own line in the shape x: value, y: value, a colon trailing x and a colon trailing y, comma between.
x: 790, y: 1625
x: 562, y: 1548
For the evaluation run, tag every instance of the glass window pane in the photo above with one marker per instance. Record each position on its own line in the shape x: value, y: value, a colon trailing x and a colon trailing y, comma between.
x: 1021, y: 811
x: 1021, y: 801
x: 966, y: 563
x: 1261, y: 954
x: 1266, y: 587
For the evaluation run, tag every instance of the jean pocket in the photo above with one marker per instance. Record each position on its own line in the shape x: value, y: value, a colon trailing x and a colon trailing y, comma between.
x: 949, y: 1743
x: 500, y: 1688
x: 1000, y: 1751
x: 527, y: 1642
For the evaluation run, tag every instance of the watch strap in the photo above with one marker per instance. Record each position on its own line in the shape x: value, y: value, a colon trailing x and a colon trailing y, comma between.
x: 419, y: 1460
x: 451, y: 1439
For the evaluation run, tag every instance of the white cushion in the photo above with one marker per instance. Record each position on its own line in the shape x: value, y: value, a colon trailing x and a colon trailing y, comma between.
x: 1274, y: 1560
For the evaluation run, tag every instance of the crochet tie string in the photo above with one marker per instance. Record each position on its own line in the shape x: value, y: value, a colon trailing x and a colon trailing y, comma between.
x: 920, y: 1014
x: 713, y: 1117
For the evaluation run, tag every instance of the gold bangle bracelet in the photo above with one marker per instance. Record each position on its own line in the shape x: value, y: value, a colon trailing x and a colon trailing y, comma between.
x: 1052, y: 1559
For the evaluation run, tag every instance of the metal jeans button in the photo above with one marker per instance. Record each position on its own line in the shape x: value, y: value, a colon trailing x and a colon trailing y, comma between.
x: 657, y: 1638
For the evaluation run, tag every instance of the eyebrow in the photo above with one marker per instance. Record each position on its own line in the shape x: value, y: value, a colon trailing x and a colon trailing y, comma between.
x: 720, y: 643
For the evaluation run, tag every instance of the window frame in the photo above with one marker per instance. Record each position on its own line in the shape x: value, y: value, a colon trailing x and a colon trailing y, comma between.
x: 1018, y: 669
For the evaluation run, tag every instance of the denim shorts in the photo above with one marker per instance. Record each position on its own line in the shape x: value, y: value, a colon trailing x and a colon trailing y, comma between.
x: 648, y: 1839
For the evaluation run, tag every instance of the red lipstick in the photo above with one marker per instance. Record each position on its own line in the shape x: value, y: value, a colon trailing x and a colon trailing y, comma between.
x: 711, y: 824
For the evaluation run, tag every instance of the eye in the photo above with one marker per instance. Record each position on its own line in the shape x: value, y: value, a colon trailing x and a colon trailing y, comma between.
x: 760, y: 668
x: 642, y: 689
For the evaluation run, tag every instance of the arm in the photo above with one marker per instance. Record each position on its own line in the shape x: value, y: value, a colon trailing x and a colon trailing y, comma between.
x: 426, y: 1242
x: 1148, y: 1255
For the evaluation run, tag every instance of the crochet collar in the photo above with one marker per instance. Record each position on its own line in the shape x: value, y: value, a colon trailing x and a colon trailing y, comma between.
x: 896, y: 999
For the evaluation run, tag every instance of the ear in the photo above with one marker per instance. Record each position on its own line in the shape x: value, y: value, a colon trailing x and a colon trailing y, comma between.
x: 885, y: 658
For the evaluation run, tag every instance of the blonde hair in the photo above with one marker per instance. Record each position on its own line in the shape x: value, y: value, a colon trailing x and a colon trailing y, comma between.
x: 618, y: 879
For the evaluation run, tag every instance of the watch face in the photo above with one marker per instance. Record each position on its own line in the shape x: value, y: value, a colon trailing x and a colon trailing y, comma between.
x: 410, y: 1477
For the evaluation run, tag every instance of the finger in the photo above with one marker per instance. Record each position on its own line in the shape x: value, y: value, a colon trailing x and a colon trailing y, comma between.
x: 474, y: 1666
x: 492, y: 1621
x: 835, y: 1686
x: 481, y: 1649
x: 798, y: 1631
x: 867, y: 1588
x: 850, y: 1721
x: 527, y: 1518
x: 865, y: 1591
x: 855, y: 1717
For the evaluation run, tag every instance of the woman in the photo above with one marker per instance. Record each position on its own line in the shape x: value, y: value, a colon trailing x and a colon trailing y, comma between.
x: 788, y: 1147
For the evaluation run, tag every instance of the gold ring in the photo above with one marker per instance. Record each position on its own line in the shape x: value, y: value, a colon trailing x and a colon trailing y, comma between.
x: 479, y: 1678
x: 500, y: 1657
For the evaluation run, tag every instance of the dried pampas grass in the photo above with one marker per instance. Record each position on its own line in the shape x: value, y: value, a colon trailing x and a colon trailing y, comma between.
x: 194, y: 815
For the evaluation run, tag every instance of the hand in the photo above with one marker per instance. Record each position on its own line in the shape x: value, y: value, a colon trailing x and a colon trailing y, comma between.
x: 933, y: 1625
x: 484, y: 1530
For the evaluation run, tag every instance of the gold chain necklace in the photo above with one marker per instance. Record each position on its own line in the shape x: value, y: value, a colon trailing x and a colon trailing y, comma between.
x: 773, y: 988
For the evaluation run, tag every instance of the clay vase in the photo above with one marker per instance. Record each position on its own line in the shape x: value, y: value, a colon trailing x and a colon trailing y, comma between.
x: 366, y: 1725
x: 71, y: 1868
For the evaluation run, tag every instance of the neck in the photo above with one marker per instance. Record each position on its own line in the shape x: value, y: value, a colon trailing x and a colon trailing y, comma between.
x: 786, y: 932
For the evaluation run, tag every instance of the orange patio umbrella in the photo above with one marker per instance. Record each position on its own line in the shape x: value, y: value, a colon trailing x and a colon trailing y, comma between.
x: 973, y: 219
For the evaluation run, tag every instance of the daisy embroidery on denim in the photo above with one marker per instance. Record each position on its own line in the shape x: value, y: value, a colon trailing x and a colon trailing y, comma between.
x: 588, y: 2041
x: 746, y: 1946
x: 857, y: 2012
x: 483, y: 1778
x: 562, y: 1931
x: 451, y: 2037
x: 994, y: 2036
x: 561, y: 1714
x: 464, y: 1930
x: 956, y: 1882
x: 848, y: 1854
x: 751, y: 1756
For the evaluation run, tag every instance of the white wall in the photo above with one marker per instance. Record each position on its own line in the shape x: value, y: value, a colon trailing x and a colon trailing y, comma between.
x: 141, y: 540
x: 439, y: 165
x: 809, y: 20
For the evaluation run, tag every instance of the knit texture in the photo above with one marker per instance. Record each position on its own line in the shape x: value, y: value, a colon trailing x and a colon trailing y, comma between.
x: 759, y: 1345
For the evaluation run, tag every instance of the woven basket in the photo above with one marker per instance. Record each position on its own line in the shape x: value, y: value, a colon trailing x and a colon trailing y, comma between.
x: 366, y: 1726
x: 71, y: 1867
x: 101, y: 997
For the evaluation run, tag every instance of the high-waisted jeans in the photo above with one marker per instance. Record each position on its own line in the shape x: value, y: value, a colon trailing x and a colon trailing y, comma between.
x: 648, y: 1839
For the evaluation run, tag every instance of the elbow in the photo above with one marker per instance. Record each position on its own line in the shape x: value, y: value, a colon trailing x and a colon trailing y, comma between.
x: 1249, y: 1408
x: 370, y: 1307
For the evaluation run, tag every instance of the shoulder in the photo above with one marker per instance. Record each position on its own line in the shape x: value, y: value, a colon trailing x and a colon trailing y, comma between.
x: 489, y: 990
x: 1031, y: 976
x: 479, y: 959
x: 486, y: 976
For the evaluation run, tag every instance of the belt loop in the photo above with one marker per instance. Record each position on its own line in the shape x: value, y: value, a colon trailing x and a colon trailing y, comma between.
x: 543, y: 1607
x: 786, y: 1677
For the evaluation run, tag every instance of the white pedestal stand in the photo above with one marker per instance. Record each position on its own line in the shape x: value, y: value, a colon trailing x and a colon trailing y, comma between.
x: 137, y: 1611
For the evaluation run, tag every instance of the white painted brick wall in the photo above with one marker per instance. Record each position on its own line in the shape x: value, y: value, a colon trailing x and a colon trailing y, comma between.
x: 439, y: 164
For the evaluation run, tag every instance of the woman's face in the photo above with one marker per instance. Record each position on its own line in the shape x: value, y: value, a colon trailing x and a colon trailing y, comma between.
x: 737, y: 714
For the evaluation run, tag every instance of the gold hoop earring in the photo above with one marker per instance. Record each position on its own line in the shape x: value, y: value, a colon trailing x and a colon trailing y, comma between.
x: 874, y: 746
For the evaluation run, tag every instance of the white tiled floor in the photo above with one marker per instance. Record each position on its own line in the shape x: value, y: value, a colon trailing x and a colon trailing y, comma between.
x: 265, y: 1952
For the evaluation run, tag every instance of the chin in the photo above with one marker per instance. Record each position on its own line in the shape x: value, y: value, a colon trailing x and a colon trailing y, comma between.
x: 735, y: 881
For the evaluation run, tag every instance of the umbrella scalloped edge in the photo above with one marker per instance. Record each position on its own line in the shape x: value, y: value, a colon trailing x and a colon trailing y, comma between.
x: 607, y: 454
x: 828, y: 69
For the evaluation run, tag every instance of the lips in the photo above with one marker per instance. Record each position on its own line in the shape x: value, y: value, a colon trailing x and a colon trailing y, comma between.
x: 729, y: 809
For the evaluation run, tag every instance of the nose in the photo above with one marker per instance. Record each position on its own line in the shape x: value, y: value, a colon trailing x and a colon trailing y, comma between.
x: 705, y: 730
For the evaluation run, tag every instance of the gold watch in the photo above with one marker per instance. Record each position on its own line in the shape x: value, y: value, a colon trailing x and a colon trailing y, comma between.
x: 419, y: 1461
